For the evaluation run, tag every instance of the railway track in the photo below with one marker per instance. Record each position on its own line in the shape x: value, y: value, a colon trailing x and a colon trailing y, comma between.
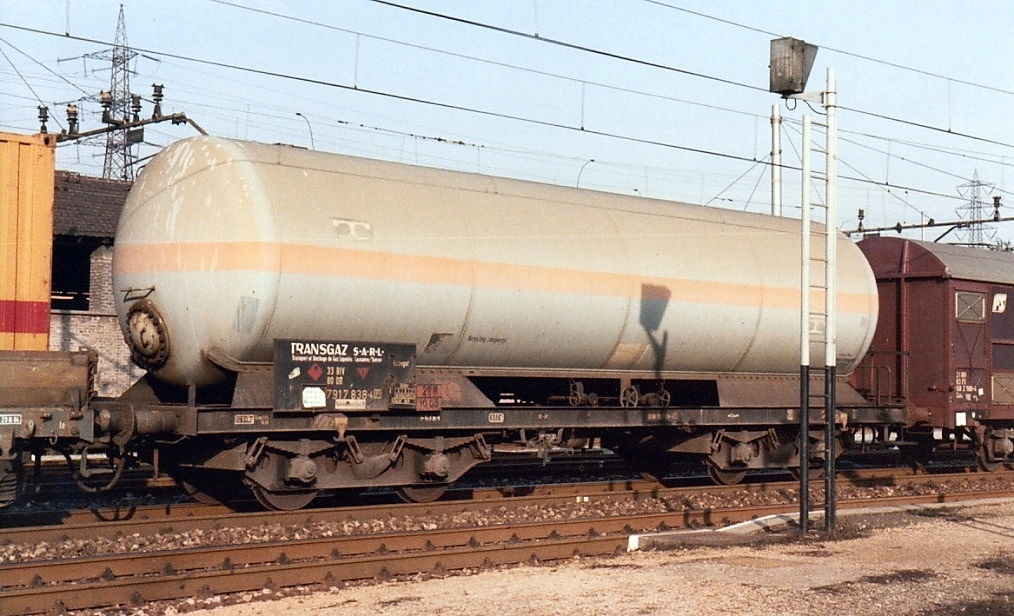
x: 134, y: 577
x: 142, y: 495
x: 53, y: 488
x: 110, y: 520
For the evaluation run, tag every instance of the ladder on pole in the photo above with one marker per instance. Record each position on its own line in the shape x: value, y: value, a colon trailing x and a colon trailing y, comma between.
x: 817, y: 326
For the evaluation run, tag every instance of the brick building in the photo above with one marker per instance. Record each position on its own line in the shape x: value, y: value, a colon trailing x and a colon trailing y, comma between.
x: 82, y: 315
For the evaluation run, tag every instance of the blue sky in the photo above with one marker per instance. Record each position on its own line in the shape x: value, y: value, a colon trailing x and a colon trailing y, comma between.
x: 672, y: 95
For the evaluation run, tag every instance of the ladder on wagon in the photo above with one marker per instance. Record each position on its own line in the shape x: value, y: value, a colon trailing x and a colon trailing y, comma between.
x: 817, y: 323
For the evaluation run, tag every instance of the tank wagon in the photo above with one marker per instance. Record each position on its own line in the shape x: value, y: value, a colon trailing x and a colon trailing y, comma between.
x: 945, y: 345
x: 233, y: 245
x: 312, y: 322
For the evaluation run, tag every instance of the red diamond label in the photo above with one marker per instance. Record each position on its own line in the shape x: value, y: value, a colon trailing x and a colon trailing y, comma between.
x: 315, y: 371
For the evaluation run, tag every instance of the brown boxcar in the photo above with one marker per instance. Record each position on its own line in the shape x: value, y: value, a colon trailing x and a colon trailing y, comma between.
x: 945, y: 340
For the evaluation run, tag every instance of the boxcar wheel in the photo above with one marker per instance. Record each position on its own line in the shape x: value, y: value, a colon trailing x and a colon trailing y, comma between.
x: 990, y: 466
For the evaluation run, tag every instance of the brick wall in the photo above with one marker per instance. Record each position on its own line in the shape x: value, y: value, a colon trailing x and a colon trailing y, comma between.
x: 100, y: 282
x: 72, y: 330
x: 97, y: 329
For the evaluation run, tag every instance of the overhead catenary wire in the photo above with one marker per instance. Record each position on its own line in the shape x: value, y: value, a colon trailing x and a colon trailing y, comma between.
x: 863, y: 178
x: 392, y: 95
x: 512, y: 66
x: 507, y: 31
x: 22, y: 77
x: 320, y: 24
x: 514, y: 117
x: 449, y: 106
x: 646, y: 63
x: 568, y: 45
x: 843, y: 52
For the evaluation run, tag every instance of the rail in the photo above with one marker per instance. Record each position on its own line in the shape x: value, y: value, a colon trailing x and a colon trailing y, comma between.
x: 133, y: 578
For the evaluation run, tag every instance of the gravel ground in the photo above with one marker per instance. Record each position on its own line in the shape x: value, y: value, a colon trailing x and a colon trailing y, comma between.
x: 954, y: 560
x: 502, y: 513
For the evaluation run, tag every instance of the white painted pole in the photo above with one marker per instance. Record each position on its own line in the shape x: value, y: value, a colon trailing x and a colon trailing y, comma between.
x: 831, y: 162
x: 804, y: 335
x: 776, y: 160
x: 804, y: 243
x: 830, y: 293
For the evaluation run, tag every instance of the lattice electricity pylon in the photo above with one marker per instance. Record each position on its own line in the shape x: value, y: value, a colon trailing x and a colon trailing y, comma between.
x: 975, y: 210
x: 116, y: 104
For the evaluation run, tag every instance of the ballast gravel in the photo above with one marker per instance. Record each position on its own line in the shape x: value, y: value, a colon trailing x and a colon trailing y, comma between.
x: 927, y: 562
x: 496, y: 515
x: 954, y: 560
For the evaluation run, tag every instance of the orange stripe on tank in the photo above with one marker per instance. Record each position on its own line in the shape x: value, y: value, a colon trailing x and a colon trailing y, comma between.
x: 425, y: 269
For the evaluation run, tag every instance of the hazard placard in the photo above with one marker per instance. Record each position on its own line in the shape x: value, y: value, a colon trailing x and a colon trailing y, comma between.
x: 322, y: 375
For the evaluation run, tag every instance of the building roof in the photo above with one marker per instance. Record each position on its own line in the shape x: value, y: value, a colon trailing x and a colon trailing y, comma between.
x: 86, y: 206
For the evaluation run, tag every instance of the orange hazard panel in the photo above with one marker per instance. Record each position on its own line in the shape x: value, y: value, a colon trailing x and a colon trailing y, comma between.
x: 26, y: 240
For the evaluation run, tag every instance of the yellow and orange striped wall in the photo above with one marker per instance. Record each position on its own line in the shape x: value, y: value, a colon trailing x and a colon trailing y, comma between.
x: 27, y: 171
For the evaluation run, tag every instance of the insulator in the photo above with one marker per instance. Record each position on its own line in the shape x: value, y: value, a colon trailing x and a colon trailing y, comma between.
x: 72, y: 119
x: 135, y: 106
x: 43, y: 118
x: 157, y: 96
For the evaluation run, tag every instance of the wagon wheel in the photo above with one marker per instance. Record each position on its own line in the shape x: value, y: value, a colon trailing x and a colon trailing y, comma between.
x: 724, y: 477
x: 982, y: 458
x: 986, y: 465
x: 282, y: 501
x: 421, y: 494
x: 629, y: 396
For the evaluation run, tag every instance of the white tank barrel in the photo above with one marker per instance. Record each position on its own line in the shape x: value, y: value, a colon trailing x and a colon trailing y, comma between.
x: 233, y: 244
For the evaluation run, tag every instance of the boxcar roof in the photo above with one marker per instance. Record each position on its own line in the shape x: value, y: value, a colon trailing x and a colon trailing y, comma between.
x: 930, y: 259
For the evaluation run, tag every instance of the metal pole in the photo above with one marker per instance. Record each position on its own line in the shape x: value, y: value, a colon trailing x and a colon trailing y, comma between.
x: 309, y: 128
x: 586, y: 163
x: 804, y: 448
x: 804, y: 336
x: 830, y: 346
x: 776, y: 160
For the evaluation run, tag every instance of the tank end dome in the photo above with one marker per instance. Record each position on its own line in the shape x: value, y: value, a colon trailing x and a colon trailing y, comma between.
x: 147, y: 335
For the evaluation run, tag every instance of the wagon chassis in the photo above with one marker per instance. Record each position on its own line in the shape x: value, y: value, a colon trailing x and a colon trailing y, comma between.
x: 236, y: 441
